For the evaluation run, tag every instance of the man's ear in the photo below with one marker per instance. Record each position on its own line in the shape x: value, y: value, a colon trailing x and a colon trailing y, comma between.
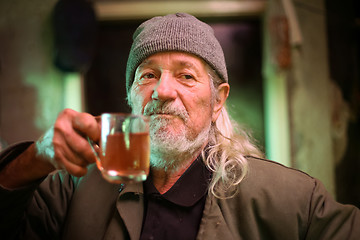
x: 222, y: 94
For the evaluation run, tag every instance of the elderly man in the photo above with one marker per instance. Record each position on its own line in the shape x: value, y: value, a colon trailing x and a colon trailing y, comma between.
x: 207, y: 181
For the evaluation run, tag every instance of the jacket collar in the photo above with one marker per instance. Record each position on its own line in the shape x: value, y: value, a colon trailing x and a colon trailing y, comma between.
x: 189, y: 188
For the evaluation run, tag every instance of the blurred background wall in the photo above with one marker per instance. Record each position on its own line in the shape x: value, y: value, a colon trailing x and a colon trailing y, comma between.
x: 293, y: 67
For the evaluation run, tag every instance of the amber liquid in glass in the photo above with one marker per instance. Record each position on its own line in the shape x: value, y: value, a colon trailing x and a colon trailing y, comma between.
x: 125, y: 157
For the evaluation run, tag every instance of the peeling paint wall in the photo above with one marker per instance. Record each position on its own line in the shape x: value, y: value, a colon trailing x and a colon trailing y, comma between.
x: 307, y: 89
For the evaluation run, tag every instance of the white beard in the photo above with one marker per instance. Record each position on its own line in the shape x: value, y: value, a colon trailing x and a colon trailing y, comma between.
x: 169, y: 151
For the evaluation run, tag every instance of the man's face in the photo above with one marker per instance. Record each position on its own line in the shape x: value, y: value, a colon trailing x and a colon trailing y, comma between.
x: 174, y: 89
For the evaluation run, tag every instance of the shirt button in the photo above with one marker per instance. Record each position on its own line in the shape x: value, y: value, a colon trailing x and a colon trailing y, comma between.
x: 121, y: 187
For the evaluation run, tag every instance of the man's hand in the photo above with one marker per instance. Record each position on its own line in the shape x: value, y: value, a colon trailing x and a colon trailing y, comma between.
x: 63, y: 146
x: 66, y: 146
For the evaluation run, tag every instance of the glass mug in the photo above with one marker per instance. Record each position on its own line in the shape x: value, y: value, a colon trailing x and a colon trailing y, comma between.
x: 123, y: 154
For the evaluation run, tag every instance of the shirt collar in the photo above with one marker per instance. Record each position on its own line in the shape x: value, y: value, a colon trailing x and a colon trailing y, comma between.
x: 188, y: 189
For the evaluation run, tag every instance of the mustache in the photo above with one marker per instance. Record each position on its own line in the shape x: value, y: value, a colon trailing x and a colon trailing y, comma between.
x: 161, y: 107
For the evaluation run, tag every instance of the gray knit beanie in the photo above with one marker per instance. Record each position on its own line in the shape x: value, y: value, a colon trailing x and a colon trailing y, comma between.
x: 175, y: 32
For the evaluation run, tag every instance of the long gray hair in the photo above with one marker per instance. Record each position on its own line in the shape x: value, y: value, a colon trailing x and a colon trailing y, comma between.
x: 228, y: 147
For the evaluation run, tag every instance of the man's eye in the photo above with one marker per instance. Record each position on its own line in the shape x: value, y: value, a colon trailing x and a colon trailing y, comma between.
x: 187, y: 76
x: 148, y: 76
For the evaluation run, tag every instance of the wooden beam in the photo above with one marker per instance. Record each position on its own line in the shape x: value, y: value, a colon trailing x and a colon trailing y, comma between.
x: 128, y: 10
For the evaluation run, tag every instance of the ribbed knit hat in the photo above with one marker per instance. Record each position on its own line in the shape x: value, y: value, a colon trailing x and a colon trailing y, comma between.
x: 175, y: 32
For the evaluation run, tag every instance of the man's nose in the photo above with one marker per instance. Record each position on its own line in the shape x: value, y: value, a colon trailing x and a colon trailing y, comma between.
x: 165, y: 88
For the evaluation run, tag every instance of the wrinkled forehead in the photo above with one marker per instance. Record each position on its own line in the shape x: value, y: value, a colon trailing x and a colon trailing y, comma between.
x: 178, y: 60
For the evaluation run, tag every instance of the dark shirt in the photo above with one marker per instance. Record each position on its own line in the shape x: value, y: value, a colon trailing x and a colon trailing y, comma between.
x: 177, y: 213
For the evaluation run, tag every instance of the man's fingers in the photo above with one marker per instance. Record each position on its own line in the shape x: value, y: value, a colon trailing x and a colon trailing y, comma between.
x: 72, y: 168
x: 87, y: 125
x: 76, y: 150
x: 71, y: 148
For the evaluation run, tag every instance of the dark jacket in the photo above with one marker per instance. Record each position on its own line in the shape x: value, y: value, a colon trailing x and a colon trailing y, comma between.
x: 272, y: 202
